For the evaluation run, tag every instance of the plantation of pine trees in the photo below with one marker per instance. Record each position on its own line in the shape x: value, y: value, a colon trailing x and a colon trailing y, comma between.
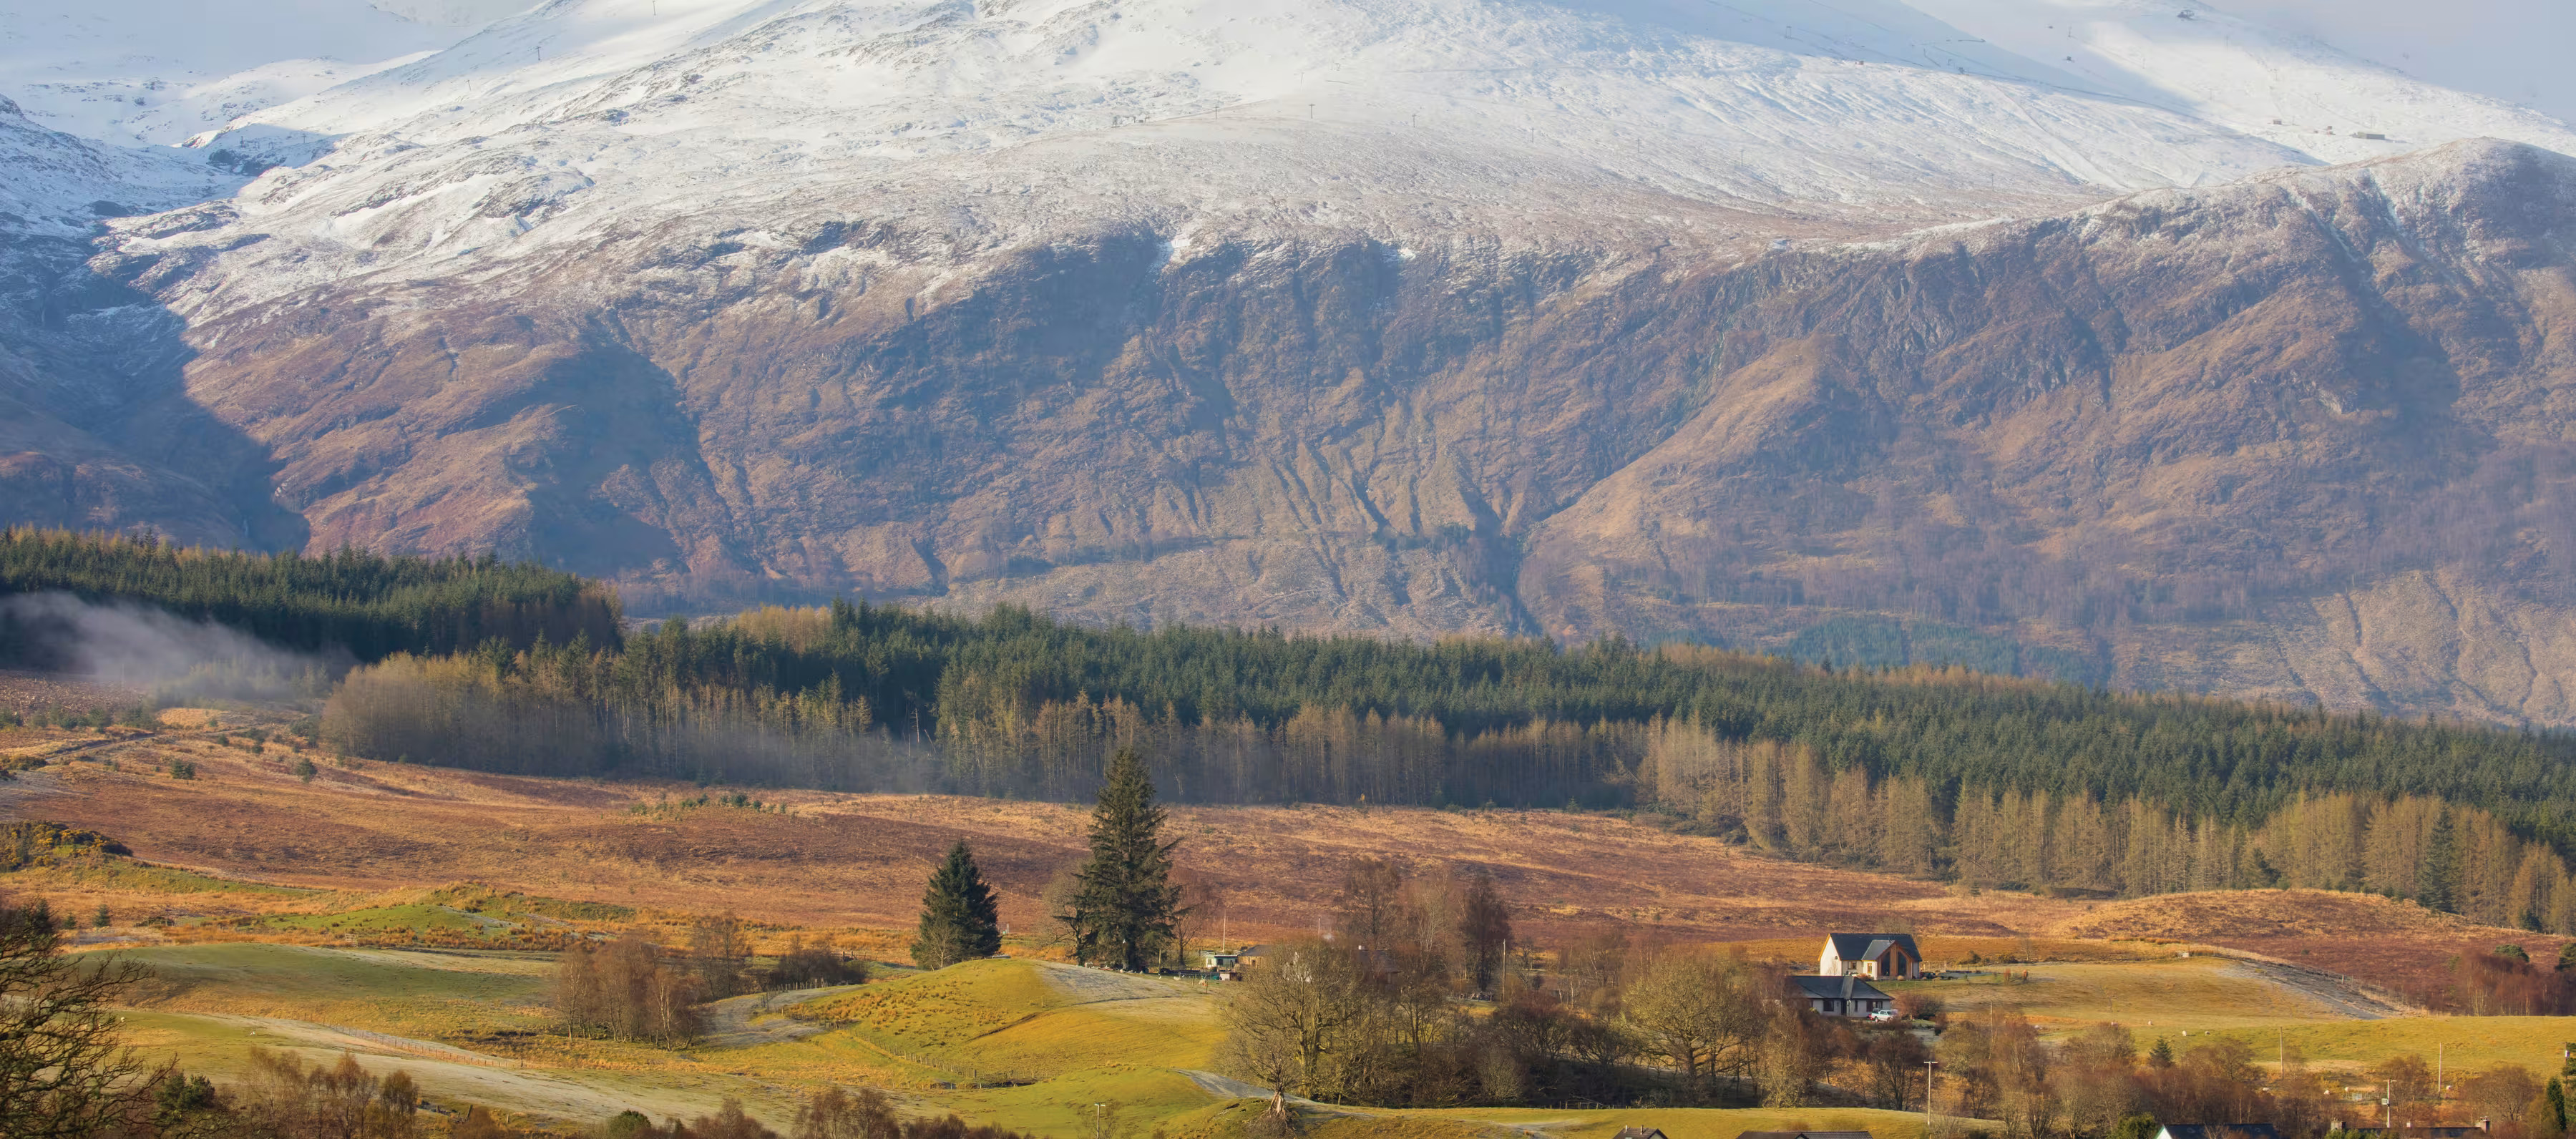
x: 365, y: 604
x: 1931, y: 772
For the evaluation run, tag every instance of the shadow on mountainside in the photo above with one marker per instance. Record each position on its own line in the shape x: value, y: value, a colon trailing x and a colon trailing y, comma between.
x: 97, y: 428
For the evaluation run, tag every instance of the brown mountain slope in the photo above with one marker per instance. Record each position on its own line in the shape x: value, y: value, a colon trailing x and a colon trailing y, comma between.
x: 2300, y: 437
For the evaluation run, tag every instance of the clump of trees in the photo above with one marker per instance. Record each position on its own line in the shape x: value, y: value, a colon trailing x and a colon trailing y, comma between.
x: 629, y: 989
x: 1334, y: 1022
x: 801, y: 963
x: 720, y: 953
x: 2507, y: 983
x: 960, y: 919
x: 867, y: 1114
x: 1386, y: 1012
x: 832, y: 1113
x: 281, y: 1097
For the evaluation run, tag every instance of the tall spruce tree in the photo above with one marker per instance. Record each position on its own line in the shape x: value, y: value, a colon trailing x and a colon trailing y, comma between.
x: 2437, y: 878
x: 959, y: 921
x: 1484, y: 931
x: 1124, y: 902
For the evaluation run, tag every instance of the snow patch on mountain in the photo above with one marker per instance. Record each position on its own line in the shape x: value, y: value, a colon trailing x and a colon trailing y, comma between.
x: 158, y: 71
x: 1350, y: 113
x: 2284, y: 87
x: 55, y: 185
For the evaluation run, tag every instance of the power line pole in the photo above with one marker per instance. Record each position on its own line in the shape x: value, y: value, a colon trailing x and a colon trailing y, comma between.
x: 1928, y: 1067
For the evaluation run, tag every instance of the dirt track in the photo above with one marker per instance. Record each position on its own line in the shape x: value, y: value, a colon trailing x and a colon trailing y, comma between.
x: 2338, y: 992
x: 740, y: 1022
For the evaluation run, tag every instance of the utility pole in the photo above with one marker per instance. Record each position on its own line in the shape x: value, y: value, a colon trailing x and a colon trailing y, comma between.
x: 2387, y: 1114
x: 1928, y: 1068
x: 1099, y: 1121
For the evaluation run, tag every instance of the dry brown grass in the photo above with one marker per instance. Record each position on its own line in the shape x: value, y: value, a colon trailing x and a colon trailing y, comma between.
x: 843, y: 861
x: 856, y: 863
x: 2392, y: 943
x: 26, y: 691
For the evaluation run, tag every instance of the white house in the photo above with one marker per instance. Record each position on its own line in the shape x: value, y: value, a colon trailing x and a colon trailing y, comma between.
x: 1878, y: 956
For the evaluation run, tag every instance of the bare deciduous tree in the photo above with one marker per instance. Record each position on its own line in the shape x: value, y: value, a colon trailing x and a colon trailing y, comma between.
x: 63, y: 1073
x: 1372, y: 903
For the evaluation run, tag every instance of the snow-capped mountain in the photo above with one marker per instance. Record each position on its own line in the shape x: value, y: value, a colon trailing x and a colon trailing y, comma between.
x: 158, y: 71
x: 1649, y: 315
x: 1862, y: 111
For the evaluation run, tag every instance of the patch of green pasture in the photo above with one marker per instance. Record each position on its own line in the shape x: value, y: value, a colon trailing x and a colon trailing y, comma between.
x: 377, y: 921
x: 140, y: 877
x: 313, y: 971
x: 1173, y: 1032
x: 407, y: 993
x: 220, y: 1047
x: 511, y: 903
x: 2461, y: 1044
x: 938, y: 1010
x: 1139, y: 1099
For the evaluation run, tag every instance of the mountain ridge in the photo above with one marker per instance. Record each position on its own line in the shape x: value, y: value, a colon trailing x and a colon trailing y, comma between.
x: 1135, y: 312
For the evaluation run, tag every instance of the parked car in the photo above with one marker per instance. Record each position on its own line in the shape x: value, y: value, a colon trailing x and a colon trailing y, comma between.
x: 1884, y: 1016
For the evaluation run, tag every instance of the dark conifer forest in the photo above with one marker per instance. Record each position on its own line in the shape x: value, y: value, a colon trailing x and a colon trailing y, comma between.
x: 365, y: 604
x: 1931, y: 771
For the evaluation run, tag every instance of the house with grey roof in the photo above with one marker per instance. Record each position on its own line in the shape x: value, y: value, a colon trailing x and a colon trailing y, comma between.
x: 1877, y: 956
x: 2217, y: 1131
x: 1846, y: 995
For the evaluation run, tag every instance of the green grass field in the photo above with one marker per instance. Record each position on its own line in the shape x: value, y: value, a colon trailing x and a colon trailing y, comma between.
x: 2185, y: 1000
x: 1082, y: 1037
x: 378, y: 921
x: 1035, y: 1045
x: 405, y: 993
x: 2462, y: 1044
